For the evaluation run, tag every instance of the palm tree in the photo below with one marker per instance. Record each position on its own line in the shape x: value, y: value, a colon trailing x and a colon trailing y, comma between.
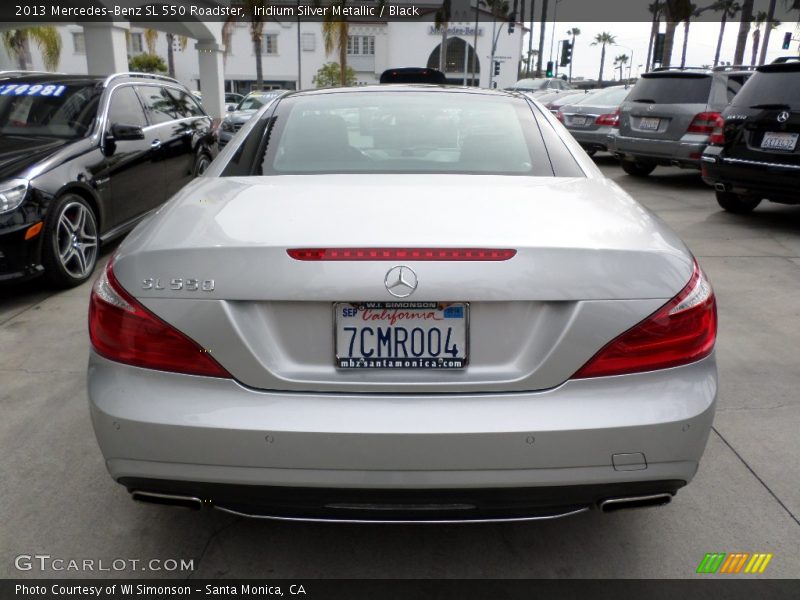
x: 744, y: 29
x: 771, y: 24
x: 150, y: 37
x: 656, y: 8
x: 442, y: 20
x: 573, y: 32
x: 541, y: 39
x: 602, y: 39
x: 686, y: 22
x: 334, y: 35
x: 620, y: 61
x: 675, y: 11
x: 183, y: 41
x: 760, y: 19
x: 46, y: 37
x: 729, y: 8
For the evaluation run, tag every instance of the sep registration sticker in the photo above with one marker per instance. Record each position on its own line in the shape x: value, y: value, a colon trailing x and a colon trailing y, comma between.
x: 31, y: 89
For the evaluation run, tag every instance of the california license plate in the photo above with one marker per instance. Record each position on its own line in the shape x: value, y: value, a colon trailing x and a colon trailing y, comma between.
x: 401, y: 335
x: 578, y: 121
x: 779, y: 141
x: 649, y: 123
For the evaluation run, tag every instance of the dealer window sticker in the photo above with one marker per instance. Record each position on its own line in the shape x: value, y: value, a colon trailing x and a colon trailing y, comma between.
x: 28, y: 89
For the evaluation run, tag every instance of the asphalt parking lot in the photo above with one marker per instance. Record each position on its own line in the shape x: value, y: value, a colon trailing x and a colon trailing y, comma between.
x: 58, y: 500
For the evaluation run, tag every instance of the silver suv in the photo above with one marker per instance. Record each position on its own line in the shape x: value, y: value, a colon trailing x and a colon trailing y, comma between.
x: 669, y: 115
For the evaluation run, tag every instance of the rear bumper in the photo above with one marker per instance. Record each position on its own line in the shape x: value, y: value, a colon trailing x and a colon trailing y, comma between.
x: 180, y: 430
x: 593, y: 140
x: 764, y: 179
x: 685, y: 152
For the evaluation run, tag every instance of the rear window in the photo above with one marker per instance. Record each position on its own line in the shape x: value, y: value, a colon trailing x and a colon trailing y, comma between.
x: 607, y: 97
x: 770, y: 88
x: 406, y: 132
x: 672, y: 89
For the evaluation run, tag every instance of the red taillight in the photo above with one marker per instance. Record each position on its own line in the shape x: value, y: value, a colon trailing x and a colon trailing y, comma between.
x: 680, y: 332
x: 123, y: 330
x: 717, y: 137
x: 703, y: 122
x: 443, y: 254
x: 610, y: 119
x: 560, y: 116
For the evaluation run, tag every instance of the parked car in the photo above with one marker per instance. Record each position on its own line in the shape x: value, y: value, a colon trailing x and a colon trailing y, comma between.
x: 541, y: 85
x: 237, y: 117
x: 337, y: 323
x: 567, y: 97
x: 83, y: 159
x: 669, y: 114
x: 232, y: 100
x: 593, y: 119
x: 754, y: 152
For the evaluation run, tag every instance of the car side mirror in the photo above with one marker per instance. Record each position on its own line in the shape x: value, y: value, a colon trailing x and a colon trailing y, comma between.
x: 122, y: 132
x: 231, y: 108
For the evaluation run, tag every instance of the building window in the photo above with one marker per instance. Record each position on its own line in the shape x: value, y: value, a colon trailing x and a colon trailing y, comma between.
x: 361, y: 45
x: 269, y: 45
x: 79, y: 43
x: 135, y: 43
x: 309, y: 42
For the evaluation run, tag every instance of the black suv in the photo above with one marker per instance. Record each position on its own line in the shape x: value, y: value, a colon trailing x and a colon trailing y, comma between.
x: 83, y: 159
x: 755, y: 152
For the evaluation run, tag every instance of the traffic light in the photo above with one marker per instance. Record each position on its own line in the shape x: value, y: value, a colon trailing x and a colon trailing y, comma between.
x: 658, y: 48
x: 549, y: 68
x: 566, y: 53
x: 497, y: 67
x: 787, y: 40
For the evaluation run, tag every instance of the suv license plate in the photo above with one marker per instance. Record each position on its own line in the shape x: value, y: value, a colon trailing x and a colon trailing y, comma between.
x: 401, y: 335
x: 779, y: 141
x: 649, y: 124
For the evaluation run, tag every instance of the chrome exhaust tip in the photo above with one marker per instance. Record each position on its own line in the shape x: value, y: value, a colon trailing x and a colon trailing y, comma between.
x: 190, y: 502
x: 613, y: 504
x: 720, y: 187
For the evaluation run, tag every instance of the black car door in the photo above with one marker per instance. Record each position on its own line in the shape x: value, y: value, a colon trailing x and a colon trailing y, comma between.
x: 175, y: 122
x: 133, y: 167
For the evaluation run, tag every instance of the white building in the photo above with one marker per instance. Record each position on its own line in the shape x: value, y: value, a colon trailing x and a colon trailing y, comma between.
x: 372, y: 48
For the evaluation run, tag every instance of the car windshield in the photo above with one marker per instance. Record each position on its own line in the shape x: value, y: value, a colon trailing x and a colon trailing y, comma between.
x: 672, y: 88
x: 47, y: 109
x: 531, y: 84
x: 405, y: 132
x: 254, y: 101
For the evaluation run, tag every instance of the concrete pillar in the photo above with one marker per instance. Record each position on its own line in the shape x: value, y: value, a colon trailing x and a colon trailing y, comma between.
x: 106, y: 48
x: 212, y: 78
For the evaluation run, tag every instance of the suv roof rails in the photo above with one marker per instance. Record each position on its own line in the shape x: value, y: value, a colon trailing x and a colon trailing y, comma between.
x: 679, y: 69
x: 14, y: 72
x: 786, y: 59
x: 735, y: 68
x: 133, y: 74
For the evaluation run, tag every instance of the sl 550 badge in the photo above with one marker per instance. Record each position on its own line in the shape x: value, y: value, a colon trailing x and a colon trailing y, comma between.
x: 178, y: 284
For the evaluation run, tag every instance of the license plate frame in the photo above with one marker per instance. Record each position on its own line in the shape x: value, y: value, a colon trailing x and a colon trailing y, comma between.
x: 578, y: 120
x: 649, y: 123
x: 780, y: 139
x: 344, y: 341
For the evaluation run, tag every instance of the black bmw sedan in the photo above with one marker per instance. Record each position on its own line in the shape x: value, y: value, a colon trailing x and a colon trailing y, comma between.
x: 83, y: 159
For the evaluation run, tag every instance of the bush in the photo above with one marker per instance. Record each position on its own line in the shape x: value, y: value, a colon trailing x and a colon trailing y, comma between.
x: 330, y: 75
x: 147, y: 63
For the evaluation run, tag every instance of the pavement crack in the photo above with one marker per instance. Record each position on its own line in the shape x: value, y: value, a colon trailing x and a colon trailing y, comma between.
x: 210, y: 539
x: 761, y: 481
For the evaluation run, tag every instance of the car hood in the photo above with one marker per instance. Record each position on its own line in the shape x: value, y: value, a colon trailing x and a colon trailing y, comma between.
x: 17, y: 153
x: 576, y: 237
x: 240, y: 116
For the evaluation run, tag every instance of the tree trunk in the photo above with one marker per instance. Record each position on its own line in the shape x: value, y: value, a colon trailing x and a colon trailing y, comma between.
x: 669, y: 42
x: 756, y: 40
x: 767, y: 29
x: 530, y: 41
x: 685, y: 41
x: 541, y: 39
x: 170, y: 54
x: 653, y: 31
x: 343, y: 52
x: 573, y: 57
x: 744, y: 30
x: 602, y: 63
x: 257, y: 42
x: 721, y: 34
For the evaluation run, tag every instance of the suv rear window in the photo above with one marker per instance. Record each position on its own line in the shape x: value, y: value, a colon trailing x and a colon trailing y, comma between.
x: 771, y: 88
x: 672, y: 88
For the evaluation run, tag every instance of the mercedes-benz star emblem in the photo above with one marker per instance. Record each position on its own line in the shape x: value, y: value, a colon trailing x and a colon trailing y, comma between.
x: 401, y: 281
x: 783, y: 117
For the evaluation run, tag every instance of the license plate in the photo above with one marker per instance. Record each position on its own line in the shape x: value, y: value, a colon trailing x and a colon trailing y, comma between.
x: 401, y: 335
x: 578, y: 121
x: 779, y: 141
x: 649, y: 123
